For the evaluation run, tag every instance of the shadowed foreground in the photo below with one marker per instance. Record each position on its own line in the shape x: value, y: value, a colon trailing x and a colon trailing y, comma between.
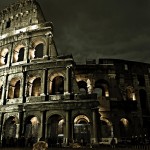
x: 147, y: 147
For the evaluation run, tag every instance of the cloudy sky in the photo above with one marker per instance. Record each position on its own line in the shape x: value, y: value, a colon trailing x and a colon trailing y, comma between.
x: 99, y: 28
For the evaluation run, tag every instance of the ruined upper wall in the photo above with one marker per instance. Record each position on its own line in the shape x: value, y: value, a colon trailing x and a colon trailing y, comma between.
x: 19, y: 15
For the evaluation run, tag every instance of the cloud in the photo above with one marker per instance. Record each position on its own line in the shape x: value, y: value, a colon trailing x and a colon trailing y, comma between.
x: 100, y: 28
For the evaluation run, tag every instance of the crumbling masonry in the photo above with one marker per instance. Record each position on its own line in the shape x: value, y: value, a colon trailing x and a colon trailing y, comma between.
x: 45, y: 95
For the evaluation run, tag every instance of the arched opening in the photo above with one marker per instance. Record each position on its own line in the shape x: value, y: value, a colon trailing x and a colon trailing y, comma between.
x: 10, y: 127
x: 82, y: 129
x: 143, y: 100
x: 8, y: 23
x: 21, y: 54
x: 32, y: 126
x: 39, y: 50
x: 6, y: 58
x: 3, y: 57
x: 124, y: 128
x: 106, y: 129
x: 58, y: 85
x: 18, y: 53
x: 17, y: 90
x: 82, y: 87
x: 130, y: 94
x: 55, y: 129
x: 14, y: 89
x: 102, y: 85
x: 36, y: 87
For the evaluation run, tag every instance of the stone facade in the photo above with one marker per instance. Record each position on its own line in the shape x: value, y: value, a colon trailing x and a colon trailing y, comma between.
x: 47, y: 96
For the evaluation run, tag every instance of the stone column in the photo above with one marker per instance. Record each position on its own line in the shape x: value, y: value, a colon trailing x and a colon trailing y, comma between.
x: 4, y: 90
x: 94, y: 128
x: 10, y: 55
x: 46, y: 55
x: 30, y: 88
x: 68, y: 79
x: 7, y: 90
x: 17, y: 130
x: 43, y: 120
x: 23, y: 86
x: 68, y: 84
x: 26, y: 50
x: 1, y: 125
x: 44, y: 83
x: 52, y: 48
x: 68, y: 131
x: 21, y: 114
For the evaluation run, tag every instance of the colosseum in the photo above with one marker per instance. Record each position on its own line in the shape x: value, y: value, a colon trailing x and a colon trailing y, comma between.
x: 44, y: 95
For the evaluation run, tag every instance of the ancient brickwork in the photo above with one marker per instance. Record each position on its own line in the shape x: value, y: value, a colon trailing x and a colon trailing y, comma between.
x: 44, y: 95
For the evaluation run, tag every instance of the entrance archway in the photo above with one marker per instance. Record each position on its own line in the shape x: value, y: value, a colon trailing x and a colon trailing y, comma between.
x: 32, y: 125
x: 55, y: 129
x: 82, y: 129
x: 106, y: 128
x: 124, y: 128
x: 10, y: 127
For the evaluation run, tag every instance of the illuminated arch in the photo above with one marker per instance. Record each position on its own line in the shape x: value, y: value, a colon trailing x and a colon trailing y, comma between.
x: 82, y: 128
x: 37, y: 50
x: 84, y: 84
x: 3, y: 56
x: 55, y: 128
x: 14, y: 88
x: 125, y: 127
x: 81, y: 118
x: 106, y: 128
x: 32, y: 126
x: 130, y: 93
x: 18, y: 53
x: 10, y: 127
x: 36, y: 87
x: 53, y: 83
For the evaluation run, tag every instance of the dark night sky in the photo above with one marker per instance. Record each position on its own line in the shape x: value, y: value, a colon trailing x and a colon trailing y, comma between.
x: 99, y: 28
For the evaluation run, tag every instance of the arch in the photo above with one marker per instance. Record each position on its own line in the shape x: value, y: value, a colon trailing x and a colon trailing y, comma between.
x: 10, y: 127
x: 81, y: 118
x: 18, y: 53
x: 39, y: 50
x: 130, y: 93
x: 124, y: 128
x: 38, y: 46
x: 17, y: 90
x: 101, y: 86
x: 106, y: 128
x: 56, y: 83
x: 14, y: 88
x: 8, y: 23
x: 31, y: 128
x: 82, y: 129
x: 82, y: 87
x: 3, y: 56
x: 55, y: 129
x: 36, y: 87
x: 86, y: 88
